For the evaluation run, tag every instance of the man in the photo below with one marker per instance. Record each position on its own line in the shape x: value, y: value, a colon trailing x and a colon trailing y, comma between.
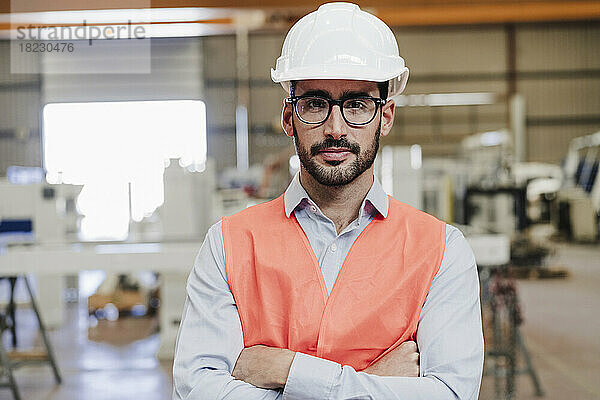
x: 322, y: 292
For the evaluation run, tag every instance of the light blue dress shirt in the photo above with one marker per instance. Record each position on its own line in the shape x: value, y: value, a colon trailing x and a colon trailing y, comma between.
x: 449, y: 334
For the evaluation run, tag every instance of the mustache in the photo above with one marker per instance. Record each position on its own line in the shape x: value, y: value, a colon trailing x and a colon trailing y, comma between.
x: 340, y: 143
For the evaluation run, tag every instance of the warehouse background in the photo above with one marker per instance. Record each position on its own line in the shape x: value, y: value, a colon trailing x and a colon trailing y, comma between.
x: 555, y: 66
x: 545, y: 52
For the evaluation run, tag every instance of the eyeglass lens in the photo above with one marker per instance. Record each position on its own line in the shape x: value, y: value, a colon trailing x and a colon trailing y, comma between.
x: 316, y: 109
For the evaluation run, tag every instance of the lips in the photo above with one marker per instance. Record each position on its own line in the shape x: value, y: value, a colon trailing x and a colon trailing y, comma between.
x: 335, y: 153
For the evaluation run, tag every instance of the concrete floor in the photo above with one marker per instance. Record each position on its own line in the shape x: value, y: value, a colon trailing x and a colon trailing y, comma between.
x: 115, y: 360
x: 562, y: 328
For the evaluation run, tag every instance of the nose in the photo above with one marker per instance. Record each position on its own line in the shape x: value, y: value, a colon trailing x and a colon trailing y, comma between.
x: 335, y: 126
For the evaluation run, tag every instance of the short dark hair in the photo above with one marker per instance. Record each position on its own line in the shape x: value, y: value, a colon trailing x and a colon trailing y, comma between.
x: 382, y: 86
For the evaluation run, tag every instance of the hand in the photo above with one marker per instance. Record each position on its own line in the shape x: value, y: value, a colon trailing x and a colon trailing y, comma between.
x: 263, y: 366
x: 402, y: 361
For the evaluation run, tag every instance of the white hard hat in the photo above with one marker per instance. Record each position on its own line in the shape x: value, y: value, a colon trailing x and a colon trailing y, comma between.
x: 340, y: 41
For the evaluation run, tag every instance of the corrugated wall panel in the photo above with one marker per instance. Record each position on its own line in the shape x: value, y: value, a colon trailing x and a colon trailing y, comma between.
x: 221, y: 147
x: 220, y: 96
x: 220, y: 106
x: 561, y: 97
x: 264, y: 50
x: 219, y: 57
x: 558, y: 47
x: 266, y: 104
x: 457, y: 86
x: 19, y: 109
x: 550, y: 143
x: 453, y: 50
x: 558, y: 70
x: 176, y: 74
x: 8, y: 76
x: 19, y: 114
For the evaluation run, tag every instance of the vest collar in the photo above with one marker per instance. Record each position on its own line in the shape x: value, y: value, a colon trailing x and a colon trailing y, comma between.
x: 295, y: 193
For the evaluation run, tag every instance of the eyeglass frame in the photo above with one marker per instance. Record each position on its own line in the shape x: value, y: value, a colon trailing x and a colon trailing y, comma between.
x: 293, y: 100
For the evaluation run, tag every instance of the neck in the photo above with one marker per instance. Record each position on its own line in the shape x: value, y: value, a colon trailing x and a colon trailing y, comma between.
x: 340, y: 204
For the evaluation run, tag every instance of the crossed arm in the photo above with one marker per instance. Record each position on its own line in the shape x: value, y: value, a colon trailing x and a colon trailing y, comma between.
x: 210, y: 354
x: 269, y: 367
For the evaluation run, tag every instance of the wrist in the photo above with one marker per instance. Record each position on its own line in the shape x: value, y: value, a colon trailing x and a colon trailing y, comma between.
x: 286, y: 359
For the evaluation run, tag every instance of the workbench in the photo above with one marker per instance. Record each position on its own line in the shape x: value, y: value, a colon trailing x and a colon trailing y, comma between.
x: 49, y: 263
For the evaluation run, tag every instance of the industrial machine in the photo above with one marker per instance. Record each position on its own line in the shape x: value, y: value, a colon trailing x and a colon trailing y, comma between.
x: 45, y: 218
x: 579, y: 199
x: 444, y: 185
x: 491, y: 202
x: 399, y: 170
x: 190, y: 207
x: 34, y: 211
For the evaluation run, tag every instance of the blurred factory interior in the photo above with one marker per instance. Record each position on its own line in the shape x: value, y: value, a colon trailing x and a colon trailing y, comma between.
x: 117, y: 157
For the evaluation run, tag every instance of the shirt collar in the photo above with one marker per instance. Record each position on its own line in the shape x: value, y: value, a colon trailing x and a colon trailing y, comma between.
x: 295, y: 193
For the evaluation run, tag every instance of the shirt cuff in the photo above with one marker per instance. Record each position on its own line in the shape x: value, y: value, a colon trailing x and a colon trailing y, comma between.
x: 310, y: 378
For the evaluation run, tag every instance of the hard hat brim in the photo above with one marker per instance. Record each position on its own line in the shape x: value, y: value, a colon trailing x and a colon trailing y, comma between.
x: 397, y: 79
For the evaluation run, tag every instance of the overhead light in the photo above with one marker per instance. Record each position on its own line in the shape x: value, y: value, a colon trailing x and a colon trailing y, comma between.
x: 445, y: 99
x: 187, y: 30
x: 117, y: 16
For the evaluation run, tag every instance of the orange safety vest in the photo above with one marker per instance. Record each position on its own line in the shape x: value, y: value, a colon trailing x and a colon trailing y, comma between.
x: 375, y: 302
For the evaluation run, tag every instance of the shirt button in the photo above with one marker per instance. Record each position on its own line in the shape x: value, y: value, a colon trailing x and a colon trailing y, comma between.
x: 333, y: 247
x: 313, y: 208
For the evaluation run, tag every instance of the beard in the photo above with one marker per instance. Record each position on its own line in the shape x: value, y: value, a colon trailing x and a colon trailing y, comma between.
x: 335, y: 174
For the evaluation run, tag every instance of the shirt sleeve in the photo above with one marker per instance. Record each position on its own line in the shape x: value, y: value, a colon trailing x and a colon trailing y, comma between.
x: 449, y: 337
x: 210, y: 340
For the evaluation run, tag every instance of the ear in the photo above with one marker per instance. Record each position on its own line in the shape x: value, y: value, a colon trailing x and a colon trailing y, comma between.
x: 287, y: 113
x: 387, y: 117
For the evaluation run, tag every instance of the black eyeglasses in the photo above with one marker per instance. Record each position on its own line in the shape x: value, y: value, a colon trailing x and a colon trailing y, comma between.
x: 355, y: 110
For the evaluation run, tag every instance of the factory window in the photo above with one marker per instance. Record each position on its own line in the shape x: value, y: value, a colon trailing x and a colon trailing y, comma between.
x: 118, y: 151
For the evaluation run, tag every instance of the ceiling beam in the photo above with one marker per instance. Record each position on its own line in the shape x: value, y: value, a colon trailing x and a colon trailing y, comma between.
x: 393, y: 12
x: 465, y: 14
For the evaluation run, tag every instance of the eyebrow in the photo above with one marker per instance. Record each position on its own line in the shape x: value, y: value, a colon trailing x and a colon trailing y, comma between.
x: 345, y: 95
x: 349, y: 93
x: 320, y: 93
